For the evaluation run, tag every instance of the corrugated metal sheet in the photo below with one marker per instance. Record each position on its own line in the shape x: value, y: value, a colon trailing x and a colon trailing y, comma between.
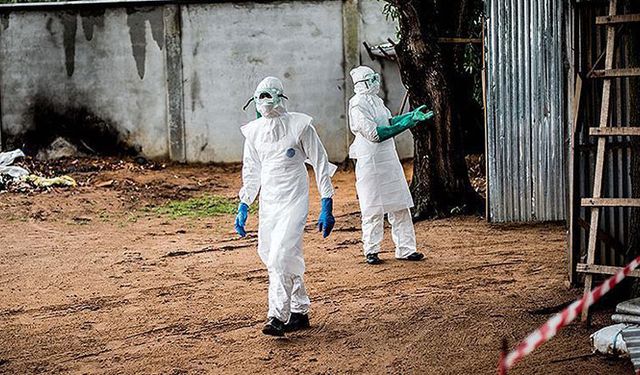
x: 631, y: 336
x: 589, y: 43
x: 525, y: 110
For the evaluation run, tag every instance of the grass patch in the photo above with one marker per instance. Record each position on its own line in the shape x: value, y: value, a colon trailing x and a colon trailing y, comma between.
x: 204, y: 206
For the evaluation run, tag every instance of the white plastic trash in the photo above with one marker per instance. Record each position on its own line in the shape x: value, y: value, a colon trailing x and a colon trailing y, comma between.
x: 14, y: 172
x: 609, y: 341
x: 7, y: 158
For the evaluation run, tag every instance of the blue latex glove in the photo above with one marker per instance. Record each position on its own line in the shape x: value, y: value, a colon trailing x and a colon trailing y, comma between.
x: 241, y: 219
x: 326, y: 220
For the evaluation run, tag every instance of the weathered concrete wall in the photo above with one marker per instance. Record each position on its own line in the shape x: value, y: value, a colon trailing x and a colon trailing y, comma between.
x: 375, y: 29
x: 107, y: 63
x: 228, y: 50
x: 172, y: 79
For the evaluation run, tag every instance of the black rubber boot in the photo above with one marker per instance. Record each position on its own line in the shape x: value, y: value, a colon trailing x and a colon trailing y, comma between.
x: 373, y: 259
x: 414, y: 257
x: 297, y: 322
x: 274, y: 327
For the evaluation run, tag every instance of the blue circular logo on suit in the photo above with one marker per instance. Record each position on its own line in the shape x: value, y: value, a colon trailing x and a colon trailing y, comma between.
x: 291, y: 153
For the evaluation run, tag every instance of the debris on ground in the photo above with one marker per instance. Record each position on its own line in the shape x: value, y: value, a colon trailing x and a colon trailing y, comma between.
x: 477, y: 174
x: 609, y: 341
x: 36, y: 174
x: 19, y: 179
x: 8, y: 172
x: 43, y: 182
x: 59, y: 148
x: 6, y: 161
x: 52, y: 168
x: 621, y: 339
x: 628, y: 314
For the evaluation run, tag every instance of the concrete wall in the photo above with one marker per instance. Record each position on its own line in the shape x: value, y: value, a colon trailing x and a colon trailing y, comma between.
x: 225, y: 57
x: 172, y: 79
x: 108, y: 62
x: 375, y: 29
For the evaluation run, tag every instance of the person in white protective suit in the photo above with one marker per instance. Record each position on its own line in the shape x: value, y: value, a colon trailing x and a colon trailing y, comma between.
x: 276, y: 147
x: 380, y: 181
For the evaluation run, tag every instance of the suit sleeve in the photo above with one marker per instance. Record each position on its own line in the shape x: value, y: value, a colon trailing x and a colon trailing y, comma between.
x: 318, y: 158
x: 251, y: 169
x: 361, y: 122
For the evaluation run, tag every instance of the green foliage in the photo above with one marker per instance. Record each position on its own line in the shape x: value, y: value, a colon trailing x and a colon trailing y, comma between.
x: 390, y: 12
x: 472, y: 62
x: 204, y: 206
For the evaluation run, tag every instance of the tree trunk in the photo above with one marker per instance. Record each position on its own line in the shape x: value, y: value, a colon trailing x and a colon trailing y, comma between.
x: 440, y: 184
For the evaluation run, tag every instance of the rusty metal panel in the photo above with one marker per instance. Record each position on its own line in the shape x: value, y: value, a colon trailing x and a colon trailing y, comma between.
x: 526, y: 110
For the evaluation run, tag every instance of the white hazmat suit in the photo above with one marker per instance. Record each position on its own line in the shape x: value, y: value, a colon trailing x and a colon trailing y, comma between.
x: 380, y: 181
x: 275, y: 150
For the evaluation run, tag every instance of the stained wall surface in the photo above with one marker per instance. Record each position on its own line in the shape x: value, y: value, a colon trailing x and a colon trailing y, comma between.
x: 172, y: 78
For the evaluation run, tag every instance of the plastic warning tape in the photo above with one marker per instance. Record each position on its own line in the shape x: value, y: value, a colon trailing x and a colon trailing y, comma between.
x: 560, y: 320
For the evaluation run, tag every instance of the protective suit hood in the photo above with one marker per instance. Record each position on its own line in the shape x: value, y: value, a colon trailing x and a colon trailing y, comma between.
x: 269, y: 98
x: 366, y: 81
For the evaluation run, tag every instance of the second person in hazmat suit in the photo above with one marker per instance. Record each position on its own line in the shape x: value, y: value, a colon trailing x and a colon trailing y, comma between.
x: 380, y: 181
x: 276, y: 147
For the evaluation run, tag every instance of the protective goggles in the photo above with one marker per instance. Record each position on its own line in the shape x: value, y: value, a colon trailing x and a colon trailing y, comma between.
x: 266, y: 96
x: 370, y: 79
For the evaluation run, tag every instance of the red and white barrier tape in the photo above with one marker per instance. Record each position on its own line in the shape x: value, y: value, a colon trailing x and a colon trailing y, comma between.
x: 558, y: 321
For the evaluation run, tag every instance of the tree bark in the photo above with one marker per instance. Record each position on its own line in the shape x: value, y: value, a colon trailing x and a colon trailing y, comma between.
x: 440, y: 184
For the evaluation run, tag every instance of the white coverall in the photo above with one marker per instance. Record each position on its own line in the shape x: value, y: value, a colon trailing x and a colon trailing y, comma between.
x: 380, y: 181
x: 275, y: 150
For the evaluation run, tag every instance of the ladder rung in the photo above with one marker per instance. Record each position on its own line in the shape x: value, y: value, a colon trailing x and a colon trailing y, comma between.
x: 610, y: 202
x: 602, y: 270
x: 617, y: 131
x: 615, y: 73
x: 621, y: 18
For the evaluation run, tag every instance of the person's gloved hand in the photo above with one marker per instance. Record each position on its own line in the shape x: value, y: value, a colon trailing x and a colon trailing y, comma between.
x: 241, y: 219
x: 401, y: 123
x: 418, y: 115
x: 326, y: 220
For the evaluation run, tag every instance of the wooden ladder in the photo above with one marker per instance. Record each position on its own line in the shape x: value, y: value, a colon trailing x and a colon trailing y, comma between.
x: 603, y: 131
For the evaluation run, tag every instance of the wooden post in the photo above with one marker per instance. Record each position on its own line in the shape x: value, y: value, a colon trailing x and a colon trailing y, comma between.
x: 572, y: 251
x: 600, y: 154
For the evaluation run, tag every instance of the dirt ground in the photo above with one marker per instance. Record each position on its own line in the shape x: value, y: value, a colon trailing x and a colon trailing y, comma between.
x: 94, y: 281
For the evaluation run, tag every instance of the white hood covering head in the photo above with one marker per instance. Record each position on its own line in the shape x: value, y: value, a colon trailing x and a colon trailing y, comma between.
x: 271, y: 108
x: 360, y: 77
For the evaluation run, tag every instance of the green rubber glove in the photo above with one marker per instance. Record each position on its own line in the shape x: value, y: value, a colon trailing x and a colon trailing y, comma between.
x: 418, y: 115
x: 401, y: 123
x: 402, y: 119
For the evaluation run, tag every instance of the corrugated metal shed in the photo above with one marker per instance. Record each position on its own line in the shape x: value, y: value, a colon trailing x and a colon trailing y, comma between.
x: 526, y: 110
x: 588, y: 44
